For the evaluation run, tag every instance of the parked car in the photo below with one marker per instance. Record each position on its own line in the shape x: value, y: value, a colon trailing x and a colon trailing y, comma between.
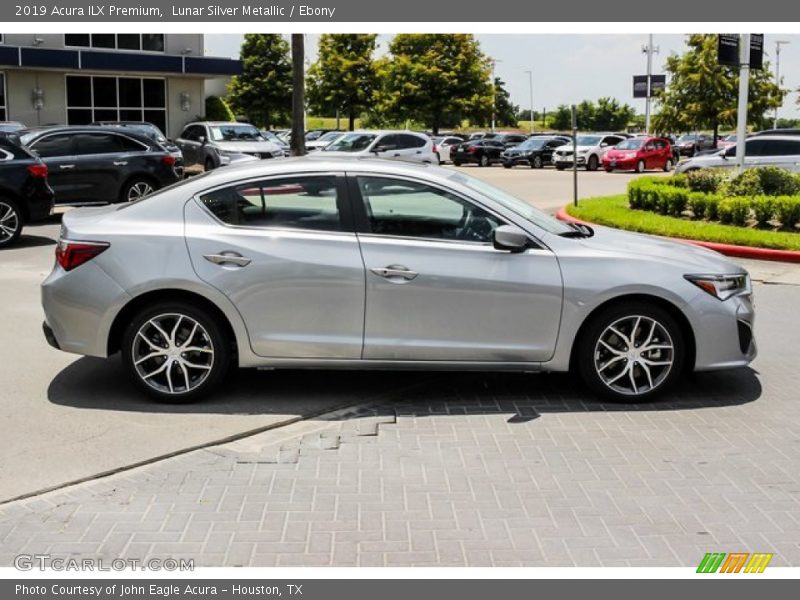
x: 276, y: 139
x: 510, y: 139
x: 483, y: 152
x: 535, y: 152
x: 591, y: 149
x: 402, y: 145
x: 25, y: 196
x: 147, y: 129
x: 780, y: 131
x: 692, y: 143
x: 639, y: 154
x: 214, y: 144
x: 324, y: 140
x: 269, y: 263
x: 314, y: 134
x: 761, y: 151
x: 726, y: 142
x: 101, y: 165
x: 11, y: 126
x: 443, y: 144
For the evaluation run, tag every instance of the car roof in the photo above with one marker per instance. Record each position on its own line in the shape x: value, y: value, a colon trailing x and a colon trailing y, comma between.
x: 39, y: 131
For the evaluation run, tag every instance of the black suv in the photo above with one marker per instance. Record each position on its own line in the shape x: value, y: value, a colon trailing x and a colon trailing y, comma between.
x: 102, y: 165
x: 25, y: 195
x: 483, y: 152
x: 535, y: 151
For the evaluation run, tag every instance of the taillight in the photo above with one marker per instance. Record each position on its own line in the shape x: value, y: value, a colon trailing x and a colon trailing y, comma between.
x: 472, y: 149
x: 71, y: 254
x: 169, y: 160
x: 38, y: 170
x: 435, y: 148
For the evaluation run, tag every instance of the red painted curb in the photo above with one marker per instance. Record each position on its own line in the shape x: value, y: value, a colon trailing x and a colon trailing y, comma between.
x: 791, y: 256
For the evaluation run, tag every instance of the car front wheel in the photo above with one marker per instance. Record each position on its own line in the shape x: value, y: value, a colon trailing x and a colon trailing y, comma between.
x: 175, y: 352
x: 484, y: 161
x: 10, y: 222
x: 630, y: 352
x: 536, y: 162
x: 592, y: 164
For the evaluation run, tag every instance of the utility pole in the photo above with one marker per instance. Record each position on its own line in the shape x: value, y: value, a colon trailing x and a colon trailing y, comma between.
x: 298, y: 141
x: 778, y: 44
x: 741, y: 113
x: 649, y: 49
x: 494, y: 92
x: 574, y: 155
x: 530, y: 90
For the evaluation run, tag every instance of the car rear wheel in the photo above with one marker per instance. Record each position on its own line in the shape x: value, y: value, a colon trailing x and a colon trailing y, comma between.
x: 483, y: 161
x: 668, y: 165
x: 536, y: 162
x: 209, y: 165
x: 640, y: 166
x: 592, y: 164
x: 630, y: 352
x: 136, y: 189
x: 10, y: 222
x: 175, y: 352
x: 456, y: 163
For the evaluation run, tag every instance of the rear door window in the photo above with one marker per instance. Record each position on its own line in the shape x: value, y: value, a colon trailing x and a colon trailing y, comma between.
x: 54, y: 145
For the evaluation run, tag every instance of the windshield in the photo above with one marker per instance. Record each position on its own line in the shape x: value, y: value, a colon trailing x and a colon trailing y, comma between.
x: 330, y: 136
x: 532, y: 144
x: 687, y: 138
x: 588, y: 140
x: 632, y: 144
x: 512, y: 203
x: 271, y: 137
x: 235, y: 133
x: 351, y: 142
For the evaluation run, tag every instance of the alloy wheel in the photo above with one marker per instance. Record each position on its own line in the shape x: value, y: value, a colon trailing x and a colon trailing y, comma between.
x: 138, y: 190
x: 9, y: 222
x: 634, y: 355
x: 172, y: 353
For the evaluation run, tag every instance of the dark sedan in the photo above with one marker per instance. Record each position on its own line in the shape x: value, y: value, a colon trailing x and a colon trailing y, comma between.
x: 102, y: 165
x: 25, y: 195
x: 481, y: 152
x: 535, y: 152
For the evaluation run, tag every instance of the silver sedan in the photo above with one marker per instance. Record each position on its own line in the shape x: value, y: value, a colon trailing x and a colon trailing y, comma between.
x: 342, y: 263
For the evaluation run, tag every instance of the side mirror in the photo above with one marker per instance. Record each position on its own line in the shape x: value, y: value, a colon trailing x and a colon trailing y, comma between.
x: 510, y: 238
x: 604, y: 145
x: 384, y: 148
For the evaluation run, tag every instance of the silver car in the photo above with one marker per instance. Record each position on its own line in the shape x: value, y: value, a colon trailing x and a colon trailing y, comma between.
x: 335, y: 263
x: 762, y: 151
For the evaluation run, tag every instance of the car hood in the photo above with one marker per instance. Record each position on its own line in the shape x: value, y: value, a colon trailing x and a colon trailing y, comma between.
x: 263, y: 146
x: 568, y: 148
x: 695, y: 259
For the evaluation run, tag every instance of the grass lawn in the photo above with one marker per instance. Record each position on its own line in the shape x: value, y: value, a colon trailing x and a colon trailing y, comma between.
x: 613, y: 211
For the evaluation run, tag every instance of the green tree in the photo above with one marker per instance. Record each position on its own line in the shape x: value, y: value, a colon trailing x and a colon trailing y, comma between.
x: 435, y: 79
x: 344, y: 77
x: 610, y: 115
x: 585, y: 115
x: 561, y: 118
x: 505, y: 112
x: 702, y: 94
x: 263, y: 91
x: 218, y: 110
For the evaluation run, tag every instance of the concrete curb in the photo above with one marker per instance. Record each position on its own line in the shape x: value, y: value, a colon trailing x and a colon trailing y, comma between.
x: 790, y: 256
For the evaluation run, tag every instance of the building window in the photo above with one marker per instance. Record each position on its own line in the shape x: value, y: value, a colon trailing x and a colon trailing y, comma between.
x: 148, y: 42
x: 3, y: 113
x: 97, y: 98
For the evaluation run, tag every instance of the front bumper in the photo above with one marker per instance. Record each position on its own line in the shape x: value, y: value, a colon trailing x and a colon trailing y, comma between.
x: 626, y: 164
x: 723, y: 331
x: 566, y: 161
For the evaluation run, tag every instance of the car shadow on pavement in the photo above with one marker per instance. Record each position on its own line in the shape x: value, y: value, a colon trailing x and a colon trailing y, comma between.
x: 32, y: 241
x: 98, y: 384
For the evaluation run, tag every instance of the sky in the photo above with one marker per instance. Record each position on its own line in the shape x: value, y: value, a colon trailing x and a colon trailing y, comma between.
x: 570, y: 68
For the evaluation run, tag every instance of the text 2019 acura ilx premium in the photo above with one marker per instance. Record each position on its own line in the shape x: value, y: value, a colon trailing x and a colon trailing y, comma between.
x: 349, y: 263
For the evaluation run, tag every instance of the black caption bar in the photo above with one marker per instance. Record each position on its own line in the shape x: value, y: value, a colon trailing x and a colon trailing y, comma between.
x: 448, y: 11
x: 341, y: 589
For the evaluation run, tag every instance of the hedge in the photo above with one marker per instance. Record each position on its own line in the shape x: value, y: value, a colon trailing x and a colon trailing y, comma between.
x: 711, y: 195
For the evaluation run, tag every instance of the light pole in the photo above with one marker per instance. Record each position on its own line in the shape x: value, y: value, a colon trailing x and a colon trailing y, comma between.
x: 530, y: 97
x: 649, y: 49
x: 778, y: 44
x: 494, y: 92
x: 741, y: 112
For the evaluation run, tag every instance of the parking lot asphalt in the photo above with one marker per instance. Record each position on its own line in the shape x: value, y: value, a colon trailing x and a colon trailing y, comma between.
x: 67, y: 418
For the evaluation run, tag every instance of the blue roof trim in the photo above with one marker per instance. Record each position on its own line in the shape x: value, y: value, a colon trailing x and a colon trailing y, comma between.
x: 9, y: 55
x: 129, y: 61
x: 51, y: 58
x: 213, y: 66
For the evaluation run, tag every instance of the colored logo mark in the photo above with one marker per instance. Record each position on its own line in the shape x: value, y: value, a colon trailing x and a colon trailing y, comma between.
x: 735, y: 562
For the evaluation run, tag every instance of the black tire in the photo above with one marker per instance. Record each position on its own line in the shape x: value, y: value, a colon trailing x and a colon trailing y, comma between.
x: 560, y: 168
x: 484, y: 161
x: 639, y: 166
x: 136, y: 188
x: 537, y: 162
x: 588, y: 345
x: 11, y: 219
x: 668, y: 165
x: 609, y: 169
x: 507, y: 165
x: 209, y: 164
x: 210, y: 335
x: 456, y: 163
x: 592, y: 163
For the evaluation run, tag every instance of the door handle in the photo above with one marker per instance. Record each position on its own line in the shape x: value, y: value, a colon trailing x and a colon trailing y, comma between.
x: 65, y: 167
x: 120, y: 163
x: 232, y: 258
x: 395, y: 272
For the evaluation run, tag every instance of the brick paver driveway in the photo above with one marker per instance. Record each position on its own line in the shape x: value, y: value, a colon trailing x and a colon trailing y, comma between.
x: 470, y: 469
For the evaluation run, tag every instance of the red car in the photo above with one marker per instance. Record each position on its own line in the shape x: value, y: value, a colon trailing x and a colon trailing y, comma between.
x: 638, y: 154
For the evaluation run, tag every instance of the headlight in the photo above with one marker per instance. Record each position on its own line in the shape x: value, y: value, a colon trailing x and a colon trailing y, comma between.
x: 721, y: 287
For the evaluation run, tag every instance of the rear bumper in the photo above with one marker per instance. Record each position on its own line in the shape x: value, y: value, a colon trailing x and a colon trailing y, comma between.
x: 50, y: 336
x: 40, y: 204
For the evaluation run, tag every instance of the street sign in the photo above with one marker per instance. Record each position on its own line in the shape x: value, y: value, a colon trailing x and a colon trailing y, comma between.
x: 728, y: 50
x: 640, y: 89
x: 658, y: 83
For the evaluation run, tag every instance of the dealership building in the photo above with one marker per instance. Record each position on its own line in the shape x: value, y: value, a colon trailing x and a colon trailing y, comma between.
x: 78, y: 78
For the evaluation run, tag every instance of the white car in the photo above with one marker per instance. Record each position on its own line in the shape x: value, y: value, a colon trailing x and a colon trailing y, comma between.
x: 324, y: 140
x: 591, y: 149
x: 442, y: 145
x: 402, y: 145
x: 762, y: 151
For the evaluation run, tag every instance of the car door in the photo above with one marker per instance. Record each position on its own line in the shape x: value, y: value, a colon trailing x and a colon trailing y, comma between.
x: 100, y: 166
x: 437, y: 289
x: 189, y: 143
x: 650, y: 155
x: 57, y: 151
x: 549, y: 148
x: 411, y: 147
x: 284, y: 251
x: 386, y: 146
x: 780, y: 153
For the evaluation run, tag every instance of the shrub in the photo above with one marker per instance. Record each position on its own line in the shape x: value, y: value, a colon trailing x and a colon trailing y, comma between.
x: 706, y: 180
x: 712, y: 206
x: 681, y: 180
x: 698, y: 202
x: 787, y: 210
x: 763, y: 209
x: 218, y: 110
x: 734, y: 211
x: 778, y: 182
x: 747, y: 183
